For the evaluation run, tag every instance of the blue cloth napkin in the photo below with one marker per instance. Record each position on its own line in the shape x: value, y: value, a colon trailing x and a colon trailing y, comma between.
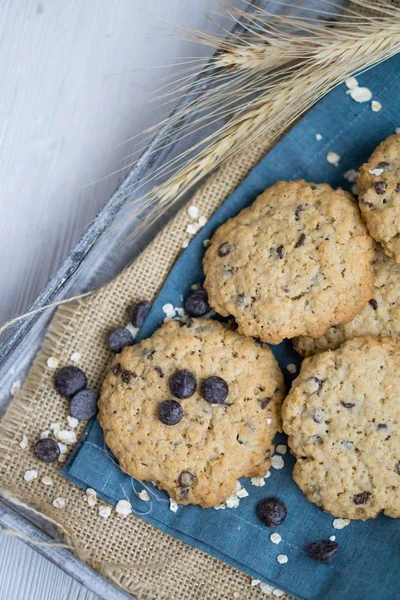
x: 368, y: 562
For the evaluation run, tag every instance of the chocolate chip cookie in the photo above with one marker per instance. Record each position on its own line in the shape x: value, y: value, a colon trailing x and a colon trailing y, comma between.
x: 296, y: 262
x: 193, y: 408
x: 379, y: 198
x: 380, y: 317
x: 342, y: 416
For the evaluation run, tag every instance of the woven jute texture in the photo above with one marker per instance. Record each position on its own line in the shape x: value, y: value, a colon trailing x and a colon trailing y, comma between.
x: 132, y: 553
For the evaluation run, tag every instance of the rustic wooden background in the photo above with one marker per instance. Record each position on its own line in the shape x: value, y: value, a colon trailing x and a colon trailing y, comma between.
x: 74, y: 80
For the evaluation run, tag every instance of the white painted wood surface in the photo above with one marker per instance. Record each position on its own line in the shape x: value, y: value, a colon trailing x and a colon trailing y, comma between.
x: 74, y: 80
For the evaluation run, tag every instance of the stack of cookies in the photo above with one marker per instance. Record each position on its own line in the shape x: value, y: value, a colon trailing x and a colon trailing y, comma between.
x: 197, y: 406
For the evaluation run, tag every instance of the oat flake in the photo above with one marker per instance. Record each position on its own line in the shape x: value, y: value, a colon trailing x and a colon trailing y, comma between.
x: 277, y: 462
x: 62, y: 458
x: 351, y: 83
x: 143, y: 495
x: 66, y: 436
x: 355, y: 189
x: 123, y: 508
x: 376, y: 106
x: 53, y: 362
x: 275, y: 538
x: 281, y: 448
x: 333, y: 158
x: 255, y: 582
x: 278, y: 593
x: 75, y: 357
x: 318, y: 137
x: 361, y: 94
x: 291, y: 368
x: 397, y: 130
x: 340, y: 523
x: 46, y: 480
x: 332, y: 538
x: 30, y: 475
x: 375, y: 172
x: 72, y: 422
x: 15, y: 387
x: 59, y: 503
x: 265, y: 588
x: 351, y: 175
x: 185, y: 243
x: 282, y: 559
x: 104, y: 511
x: 173, y: 505
x: 24, y: 442
x: 257, y: 481
x: 193, y: 211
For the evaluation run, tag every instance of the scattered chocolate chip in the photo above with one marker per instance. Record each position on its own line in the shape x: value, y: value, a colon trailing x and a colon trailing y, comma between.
x: 214, y: 390
x: 381, y: 426
x: 271, y: 511
x: 84, y: 404
x: 224, y: 249
x: 69, y: 380
x: 382, y: 165
x: 170, y: 412
x: 373, y: 303
x: 126, y: 376
x: 265, y: 402
x: 318, y: 415
x: 46, y: 450
x: 398, y: 468
x: 186, y: 479
x: 362, y: 498
x: 116, y: 369
x: 196, y: 303
x: 138, y: 312
x: 159, y: 371
x: 324, y: 550
x: 363, y: 201
x: 119, y: 338
x: 380, y: 187
x: 299, y: 210
x: 280, y: 251
x: 347, y: 404
x: 300, y: 241
x: 183, y: 384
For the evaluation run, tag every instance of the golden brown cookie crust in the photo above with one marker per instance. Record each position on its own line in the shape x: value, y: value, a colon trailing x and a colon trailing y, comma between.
x: 379, y: 199
x: 342, y: 416
x: 296, y: 262
x: 217, y: 443
x: 380, y: 317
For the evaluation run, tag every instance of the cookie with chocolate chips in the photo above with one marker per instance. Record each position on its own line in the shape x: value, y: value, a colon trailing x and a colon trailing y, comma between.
x: 381, y: 315
x: 296, y: 262
x: 193, y: 409
x: 346, y: 434
x: 379, y: 199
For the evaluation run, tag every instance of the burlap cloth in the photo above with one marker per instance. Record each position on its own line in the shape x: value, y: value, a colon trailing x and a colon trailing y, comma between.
x: 140, y: 558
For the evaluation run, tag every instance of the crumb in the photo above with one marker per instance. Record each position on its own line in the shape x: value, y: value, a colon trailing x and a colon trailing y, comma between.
x: 318, y: 137
x: 351, y: 83
x: 193, y: 211
x: 351, y: 175
x: 24, y: 442
x: 242, y: 493
x: 46, y: 480
x: 282, y: 559
x: 202, y: 221
x: 75, y: 357
x: 257, y: 481
x: 340, y: 523
x: 53, y: 362
x: 333, y: 158
x: 168, y: 309
x: 30, y: 475
x: 376, y: 106
x: 132, y: 330
x: 360, y: 94
x: 355, y: 189
x: 143, y: 495
x: 15, y: 387
x: 277, y: 462
x: 375, y: 172
x: 185, y: 243
x: 173, y: 506
x: 59, y: 503
x: 275, y: 538
x: 265, y: 588
x: 123, y: 508
x: 238, y: 527
x: 72, y: 422
x: 291, y: 368
x: 281, y: 448
x: 332, y: 538
x: 206, y: 243
x: 104, y: 511
x: 66, y: 436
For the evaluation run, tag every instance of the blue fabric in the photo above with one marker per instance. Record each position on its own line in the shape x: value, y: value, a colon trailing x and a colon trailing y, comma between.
x: 367, y: 565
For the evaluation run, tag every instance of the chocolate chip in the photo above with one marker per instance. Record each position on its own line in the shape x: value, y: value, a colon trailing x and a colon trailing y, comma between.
x: 159, y: 371
x: 148, y: 353
x: 299, y: 210
x: 119, y: 338
x: 324, y: 550
x: 116, y: 369
x: 186, y: 479
x: 170, y: 412
x: 183, y: 384
x: 382, y: 165
x: 300, y: 241
x: 47, y: 450
x: 271, y: 511
x: 126, y: 376
x: 280, y: 251
x: 363, y: 201
x: 398, y: 468
x: 214, y: 390
x: 84, y: 404
x: 265, y: 402
x: 138, y: 312
x: 362, y: 498
x: 347, y: 404
x: 69, y: 380
x: 196, y: 303
x: 318, y: 415
x: 373, y: 303
x: 224, y: 249
x: 381, y: 426
x: 380, y: 187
